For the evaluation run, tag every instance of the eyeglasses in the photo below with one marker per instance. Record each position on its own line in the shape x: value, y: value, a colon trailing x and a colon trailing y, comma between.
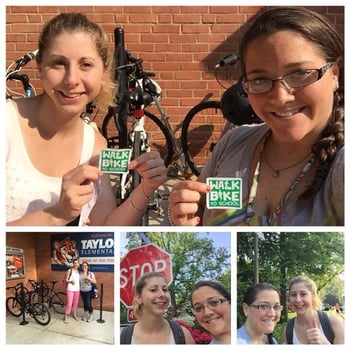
x: 268, y: 307
x: 211, y: 304
x: 297, y: 79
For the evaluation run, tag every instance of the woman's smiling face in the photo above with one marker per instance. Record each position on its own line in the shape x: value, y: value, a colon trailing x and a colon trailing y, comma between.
x: 155, y: 296
x: 301, y: 298
x: 263, y: 321
x: 72, y: 71
x: 215, y: 319
x: 295, y: 113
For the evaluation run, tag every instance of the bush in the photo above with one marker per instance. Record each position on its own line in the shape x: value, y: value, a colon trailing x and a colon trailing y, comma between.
x: 278, y: 332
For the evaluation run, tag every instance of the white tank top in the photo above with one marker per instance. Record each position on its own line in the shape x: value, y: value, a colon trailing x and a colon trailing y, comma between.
x: 75, y: 276
x: 295, y: 338
x: 27, y: 189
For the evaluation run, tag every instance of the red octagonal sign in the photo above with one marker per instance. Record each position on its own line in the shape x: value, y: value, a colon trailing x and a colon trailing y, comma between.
x: 139, y: 261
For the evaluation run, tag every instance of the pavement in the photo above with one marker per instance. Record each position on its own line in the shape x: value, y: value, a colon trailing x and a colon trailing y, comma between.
x: 100, y: 331
x: 158, y: 214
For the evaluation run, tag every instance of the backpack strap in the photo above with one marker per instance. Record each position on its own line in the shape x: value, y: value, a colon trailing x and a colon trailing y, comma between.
x: 289, y: 330
x: 126, y: 334
x: 178, y: 332
x: 326, y: 326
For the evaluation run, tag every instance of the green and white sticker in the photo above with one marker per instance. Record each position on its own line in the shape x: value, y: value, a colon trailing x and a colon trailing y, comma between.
x: 224, y: 193
x: 115, y: 160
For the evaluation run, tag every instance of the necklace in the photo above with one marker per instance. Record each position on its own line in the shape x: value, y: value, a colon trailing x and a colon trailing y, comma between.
x: 276, y: 172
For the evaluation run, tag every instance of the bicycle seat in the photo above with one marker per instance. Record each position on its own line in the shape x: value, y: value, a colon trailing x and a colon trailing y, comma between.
x: 236, y: 108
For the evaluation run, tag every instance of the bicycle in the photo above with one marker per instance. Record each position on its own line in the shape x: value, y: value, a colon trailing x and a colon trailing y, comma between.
x: 12, y: 73
x: 49, y: 296
x: 23, y: 302
x: 124, y: 124
x: 202, y: 127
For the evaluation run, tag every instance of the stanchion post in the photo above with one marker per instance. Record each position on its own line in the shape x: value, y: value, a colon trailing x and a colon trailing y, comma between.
x: 23, y: 306
x: 100, y: 320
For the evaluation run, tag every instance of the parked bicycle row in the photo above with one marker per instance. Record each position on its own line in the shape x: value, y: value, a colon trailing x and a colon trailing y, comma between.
x: 38, y: 298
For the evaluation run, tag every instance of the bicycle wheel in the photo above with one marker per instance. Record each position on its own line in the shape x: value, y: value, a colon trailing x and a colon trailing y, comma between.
x: 201, y: 129
x: 59, y: 302
x: 13, y: 306
x: 109, y: 130
x: 41, y: 313
x: 159, y: 136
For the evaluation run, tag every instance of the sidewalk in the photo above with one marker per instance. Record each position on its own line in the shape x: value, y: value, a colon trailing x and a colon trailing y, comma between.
x: 160, y: 217
x: 57, y: 332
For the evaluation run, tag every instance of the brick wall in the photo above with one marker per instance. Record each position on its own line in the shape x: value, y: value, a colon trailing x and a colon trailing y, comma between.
x: 181, y: 44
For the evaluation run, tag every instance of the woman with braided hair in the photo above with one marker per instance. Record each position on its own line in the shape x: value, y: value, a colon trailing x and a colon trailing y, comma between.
x: 292, y: 165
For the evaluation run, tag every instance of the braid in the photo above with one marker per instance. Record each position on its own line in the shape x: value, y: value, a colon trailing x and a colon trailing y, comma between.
x: 325, y: 149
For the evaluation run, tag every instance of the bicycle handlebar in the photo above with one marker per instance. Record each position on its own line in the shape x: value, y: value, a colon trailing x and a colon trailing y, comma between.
x: 136, y: 65
x: 13, y: 70
x: 26, y: 58
x: 21, y: 62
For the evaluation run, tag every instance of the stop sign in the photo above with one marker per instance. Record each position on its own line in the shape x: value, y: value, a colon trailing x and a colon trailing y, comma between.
x: 137, y: 262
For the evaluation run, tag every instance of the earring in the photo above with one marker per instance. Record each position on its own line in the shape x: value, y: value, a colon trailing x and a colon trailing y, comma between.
x: 336, y: 86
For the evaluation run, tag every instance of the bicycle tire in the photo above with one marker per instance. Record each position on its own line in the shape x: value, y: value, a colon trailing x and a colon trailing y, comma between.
x: 201, y: 129
x: 109, y: 129
x: 166, y: 150
x: 41, y: 313
x: 59, y: 302
x: 13, y: 306
x: 162, y: 143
